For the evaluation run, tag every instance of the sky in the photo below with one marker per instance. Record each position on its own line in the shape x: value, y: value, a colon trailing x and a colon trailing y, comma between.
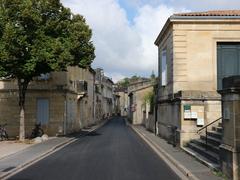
x: 124, y: 31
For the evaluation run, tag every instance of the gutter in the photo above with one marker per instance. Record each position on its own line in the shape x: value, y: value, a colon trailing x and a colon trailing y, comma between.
x: 173, y: 17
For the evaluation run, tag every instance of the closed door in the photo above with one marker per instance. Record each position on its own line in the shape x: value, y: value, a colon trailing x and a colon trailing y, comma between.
x: 43, y: 111
x: 228, y: 61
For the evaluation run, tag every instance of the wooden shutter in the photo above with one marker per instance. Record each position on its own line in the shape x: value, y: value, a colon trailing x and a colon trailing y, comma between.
x: 164, y: 68
x: 42, y: 111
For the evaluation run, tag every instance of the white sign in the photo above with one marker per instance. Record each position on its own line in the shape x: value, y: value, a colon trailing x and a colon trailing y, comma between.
x: 194, y: 115
x: 190, y: 115
x: 187, y: 114
x: 200, y: 122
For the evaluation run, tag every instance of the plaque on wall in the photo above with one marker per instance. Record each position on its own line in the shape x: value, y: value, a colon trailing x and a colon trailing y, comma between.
x: 188, y: 113
x: 200, y: 122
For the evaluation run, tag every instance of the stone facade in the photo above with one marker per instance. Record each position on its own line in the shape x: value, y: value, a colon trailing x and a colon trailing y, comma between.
x: 105, y: 95
x: 138, y: 107
x: 64, y: 102
x: 123, y: 101
x: 230, y: 145
x: 188, y: 71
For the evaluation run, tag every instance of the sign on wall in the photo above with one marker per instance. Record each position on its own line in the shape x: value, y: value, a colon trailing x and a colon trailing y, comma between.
x: 189, y: 113
x: 200, y: 122
x: 194, y: 113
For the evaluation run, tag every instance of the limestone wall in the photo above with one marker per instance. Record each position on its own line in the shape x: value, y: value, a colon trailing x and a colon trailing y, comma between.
x: 191, y: 47
x: 69, y: 109
x: 9, y: 111
x: 139, y: 103
x: 195, y: 53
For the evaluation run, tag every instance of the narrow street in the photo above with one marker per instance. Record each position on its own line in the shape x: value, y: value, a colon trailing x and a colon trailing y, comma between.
x: 113, y: 152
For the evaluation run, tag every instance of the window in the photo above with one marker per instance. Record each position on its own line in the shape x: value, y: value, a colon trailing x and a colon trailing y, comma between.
x: 45, y: 76
x: 42, y: 111
x: 82, y: 86
x: 228, y: 61
x: 164, y: 68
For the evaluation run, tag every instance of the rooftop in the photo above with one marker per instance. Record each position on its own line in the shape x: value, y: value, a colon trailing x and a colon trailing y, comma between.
x: 207, y: 16
x: 211, y: 13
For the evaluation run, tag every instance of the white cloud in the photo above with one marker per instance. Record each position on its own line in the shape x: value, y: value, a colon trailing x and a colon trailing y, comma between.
x: 123, y: 49
x: 148, y: 23
x: 115, y: 76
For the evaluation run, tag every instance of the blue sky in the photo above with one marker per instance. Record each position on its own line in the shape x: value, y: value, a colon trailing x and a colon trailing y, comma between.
x: 130, y: 9
x: 124, y: 30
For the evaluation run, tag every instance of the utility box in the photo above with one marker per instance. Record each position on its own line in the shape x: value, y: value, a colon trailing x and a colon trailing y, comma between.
x: 230, y: 146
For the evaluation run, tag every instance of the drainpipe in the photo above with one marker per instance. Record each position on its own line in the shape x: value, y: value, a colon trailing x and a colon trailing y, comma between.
x: 156, y: 112
x: 94, y: 108
x: 65, y: 116
x: 155, y: 123
x: 235, y: 150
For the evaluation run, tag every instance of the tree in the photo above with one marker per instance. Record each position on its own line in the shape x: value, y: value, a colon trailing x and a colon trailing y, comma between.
x: 149, y: 99
x: 37, y: 37
x: 123, y: 83
x: 135, y: 78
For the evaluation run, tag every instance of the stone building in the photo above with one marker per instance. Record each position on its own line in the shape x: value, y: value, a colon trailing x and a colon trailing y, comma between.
x: 63, y: 102
x: 196, y: 50
x: 123, y: 100
x: 138, y: 110
x: 105, y: 97
x: 116, y: 100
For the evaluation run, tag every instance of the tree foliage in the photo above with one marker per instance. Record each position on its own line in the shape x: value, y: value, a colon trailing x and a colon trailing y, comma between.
x: 40, y: 36
x: 124, y: 83
x: 149, y: 99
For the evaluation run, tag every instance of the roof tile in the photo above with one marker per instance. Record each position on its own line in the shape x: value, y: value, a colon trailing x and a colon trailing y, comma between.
x: 212, y: 13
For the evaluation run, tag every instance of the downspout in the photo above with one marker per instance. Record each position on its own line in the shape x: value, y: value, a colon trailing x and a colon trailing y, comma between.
x: 156, y: 111
x: 94, y: 113
x: 235, y: 150
x: 65, y: 116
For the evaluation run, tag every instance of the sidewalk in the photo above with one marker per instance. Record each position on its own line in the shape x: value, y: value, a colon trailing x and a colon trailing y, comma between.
x: 189, y: 166
x: 26, y: 156
x: 10, y: 147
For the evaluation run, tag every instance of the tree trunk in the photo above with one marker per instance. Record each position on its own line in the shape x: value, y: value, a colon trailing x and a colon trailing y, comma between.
x: 22, y: 87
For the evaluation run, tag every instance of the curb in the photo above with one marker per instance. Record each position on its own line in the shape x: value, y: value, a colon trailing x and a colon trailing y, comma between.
x: 47, y: 153
x: 165, y: 156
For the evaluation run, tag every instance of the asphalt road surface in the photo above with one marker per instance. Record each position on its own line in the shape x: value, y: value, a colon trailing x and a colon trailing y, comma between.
x: 113, y: 152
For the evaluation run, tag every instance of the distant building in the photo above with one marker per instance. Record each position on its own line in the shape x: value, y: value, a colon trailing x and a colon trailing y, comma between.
x: 138, y: 109
x: 104, y: 86
x: 123, y: 100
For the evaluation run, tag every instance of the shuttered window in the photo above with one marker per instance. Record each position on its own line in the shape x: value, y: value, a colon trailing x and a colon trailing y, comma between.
x: 164, y: 68
x: 42, y: 111
x: 228, y: 61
